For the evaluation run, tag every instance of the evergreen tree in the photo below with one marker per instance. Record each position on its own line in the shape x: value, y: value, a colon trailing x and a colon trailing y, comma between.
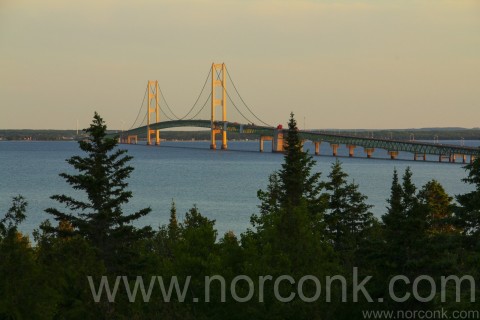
x: 394, y: 222
x: 14, y: 216
x: 401, y: 202
x: 468, y: 211
x: 409, y: 198
x: 173, y: 228
x: 102, y: 175
x: 416, y: 234
x: 395, y: 201
x: 293, y: 185
x: 23, y: 294
x: 438, y: 207
x: 348, y: 216
x: 297, y: 181
x: 289, y: 236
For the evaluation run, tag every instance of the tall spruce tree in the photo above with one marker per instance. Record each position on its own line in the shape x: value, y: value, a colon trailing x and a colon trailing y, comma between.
x: 406, y: 226
x: 297, y: 179
x: 102, y: 175
x: 394, y: 222
x: 173, y: 227
x: 409, y: 197
x: 290, y: 231
x: 348, y: 216
x: 293, y: 184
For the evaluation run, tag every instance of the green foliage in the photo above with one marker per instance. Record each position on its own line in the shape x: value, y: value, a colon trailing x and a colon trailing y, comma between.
x: 348, y: 217
x: 23, y: 293
x: 289, y: 236
x: 438, y: 208
x: 102, y: 175
x: 14, y: 216
x: 305, y: 226
x: 468, y: 211
x: 66, y: 263
x: 173, y: 228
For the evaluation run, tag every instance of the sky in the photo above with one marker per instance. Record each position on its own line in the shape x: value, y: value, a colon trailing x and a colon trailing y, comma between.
x: 335, y: 64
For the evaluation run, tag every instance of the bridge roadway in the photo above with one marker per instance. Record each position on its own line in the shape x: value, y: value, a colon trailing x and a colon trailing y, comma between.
x: 369, y: 144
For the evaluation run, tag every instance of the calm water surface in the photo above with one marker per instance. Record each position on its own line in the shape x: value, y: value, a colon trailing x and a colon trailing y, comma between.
x: 223, y: 184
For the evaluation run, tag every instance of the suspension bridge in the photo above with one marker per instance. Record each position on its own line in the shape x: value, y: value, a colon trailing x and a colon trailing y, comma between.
x: 159, y: 115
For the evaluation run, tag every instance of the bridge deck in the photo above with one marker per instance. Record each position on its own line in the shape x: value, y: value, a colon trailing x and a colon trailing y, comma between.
x: 390, y: 145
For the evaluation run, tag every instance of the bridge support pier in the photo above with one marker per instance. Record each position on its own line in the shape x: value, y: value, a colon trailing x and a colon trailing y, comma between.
x: 453, y: 158
x: 302, y: 142
x: 351, y: 150
x: 278, y: 141
x: 334, y: 149
x: 441, y: 157
x: 263, y: 139
x: 213, y: 142
x: 416, y: 156
x: 472, y: 158
x: 369, y: 152
x: 156, y: 134
x: 132, y: 138
x: 464, y: 158
x: 393, y: 154
x: 317, y: 148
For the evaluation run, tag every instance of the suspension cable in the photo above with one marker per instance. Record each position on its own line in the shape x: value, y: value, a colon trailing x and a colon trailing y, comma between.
x: 144, y: 119
x: 193, y: 106
x: 229, y: 98
x: 208, y: 98
x: 166, y: 116
x: 139, y: 110
x: 166, y: 103
x: 198, y: 98
x: 233, y: 83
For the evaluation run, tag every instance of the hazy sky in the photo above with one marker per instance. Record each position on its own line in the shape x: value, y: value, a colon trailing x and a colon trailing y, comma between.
x: 347, y: 64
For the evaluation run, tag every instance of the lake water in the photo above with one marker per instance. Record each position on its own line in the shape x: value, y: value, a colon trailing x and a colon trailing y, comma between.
x: 223, y: 184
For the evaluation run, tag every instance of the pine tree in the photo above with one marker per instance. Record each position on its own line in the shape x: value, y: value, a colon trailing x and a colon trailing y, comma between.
x: 23, y: 293
x: 102, y: 175
x: 348, y: 216
x: 468, y: 211
x: 409, y: 198
x: 173, y: 228
x: 395, y: 200
x: 14, y: 216
x: 438, y: 207
x: 297, y: 181
x: 293, y: 185
x: 290, y: 230
x: 395, y: 218
x: 406, y: 227
x: 337, y: 204
x: 394, y: 224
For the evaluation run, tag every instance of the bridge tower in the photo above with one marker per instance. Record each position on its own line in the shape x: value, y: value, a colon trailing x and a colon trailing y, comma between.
x: 219, y: 72
x: 153, y: 107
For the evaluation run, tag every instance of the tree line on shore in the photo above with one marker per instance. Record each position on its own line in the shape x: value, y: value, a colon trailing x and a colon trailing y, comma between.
x: 307, y: 224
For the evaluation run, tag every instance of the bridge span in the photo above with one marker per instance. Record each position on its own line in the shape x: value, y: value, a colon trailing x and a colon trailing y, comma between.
x: 419, y: 150
x: 218, y: 99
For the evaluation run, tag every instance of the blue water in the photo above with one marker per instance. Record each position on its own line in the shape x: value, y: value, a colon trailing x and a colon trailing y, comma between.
x: 223, y: 184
